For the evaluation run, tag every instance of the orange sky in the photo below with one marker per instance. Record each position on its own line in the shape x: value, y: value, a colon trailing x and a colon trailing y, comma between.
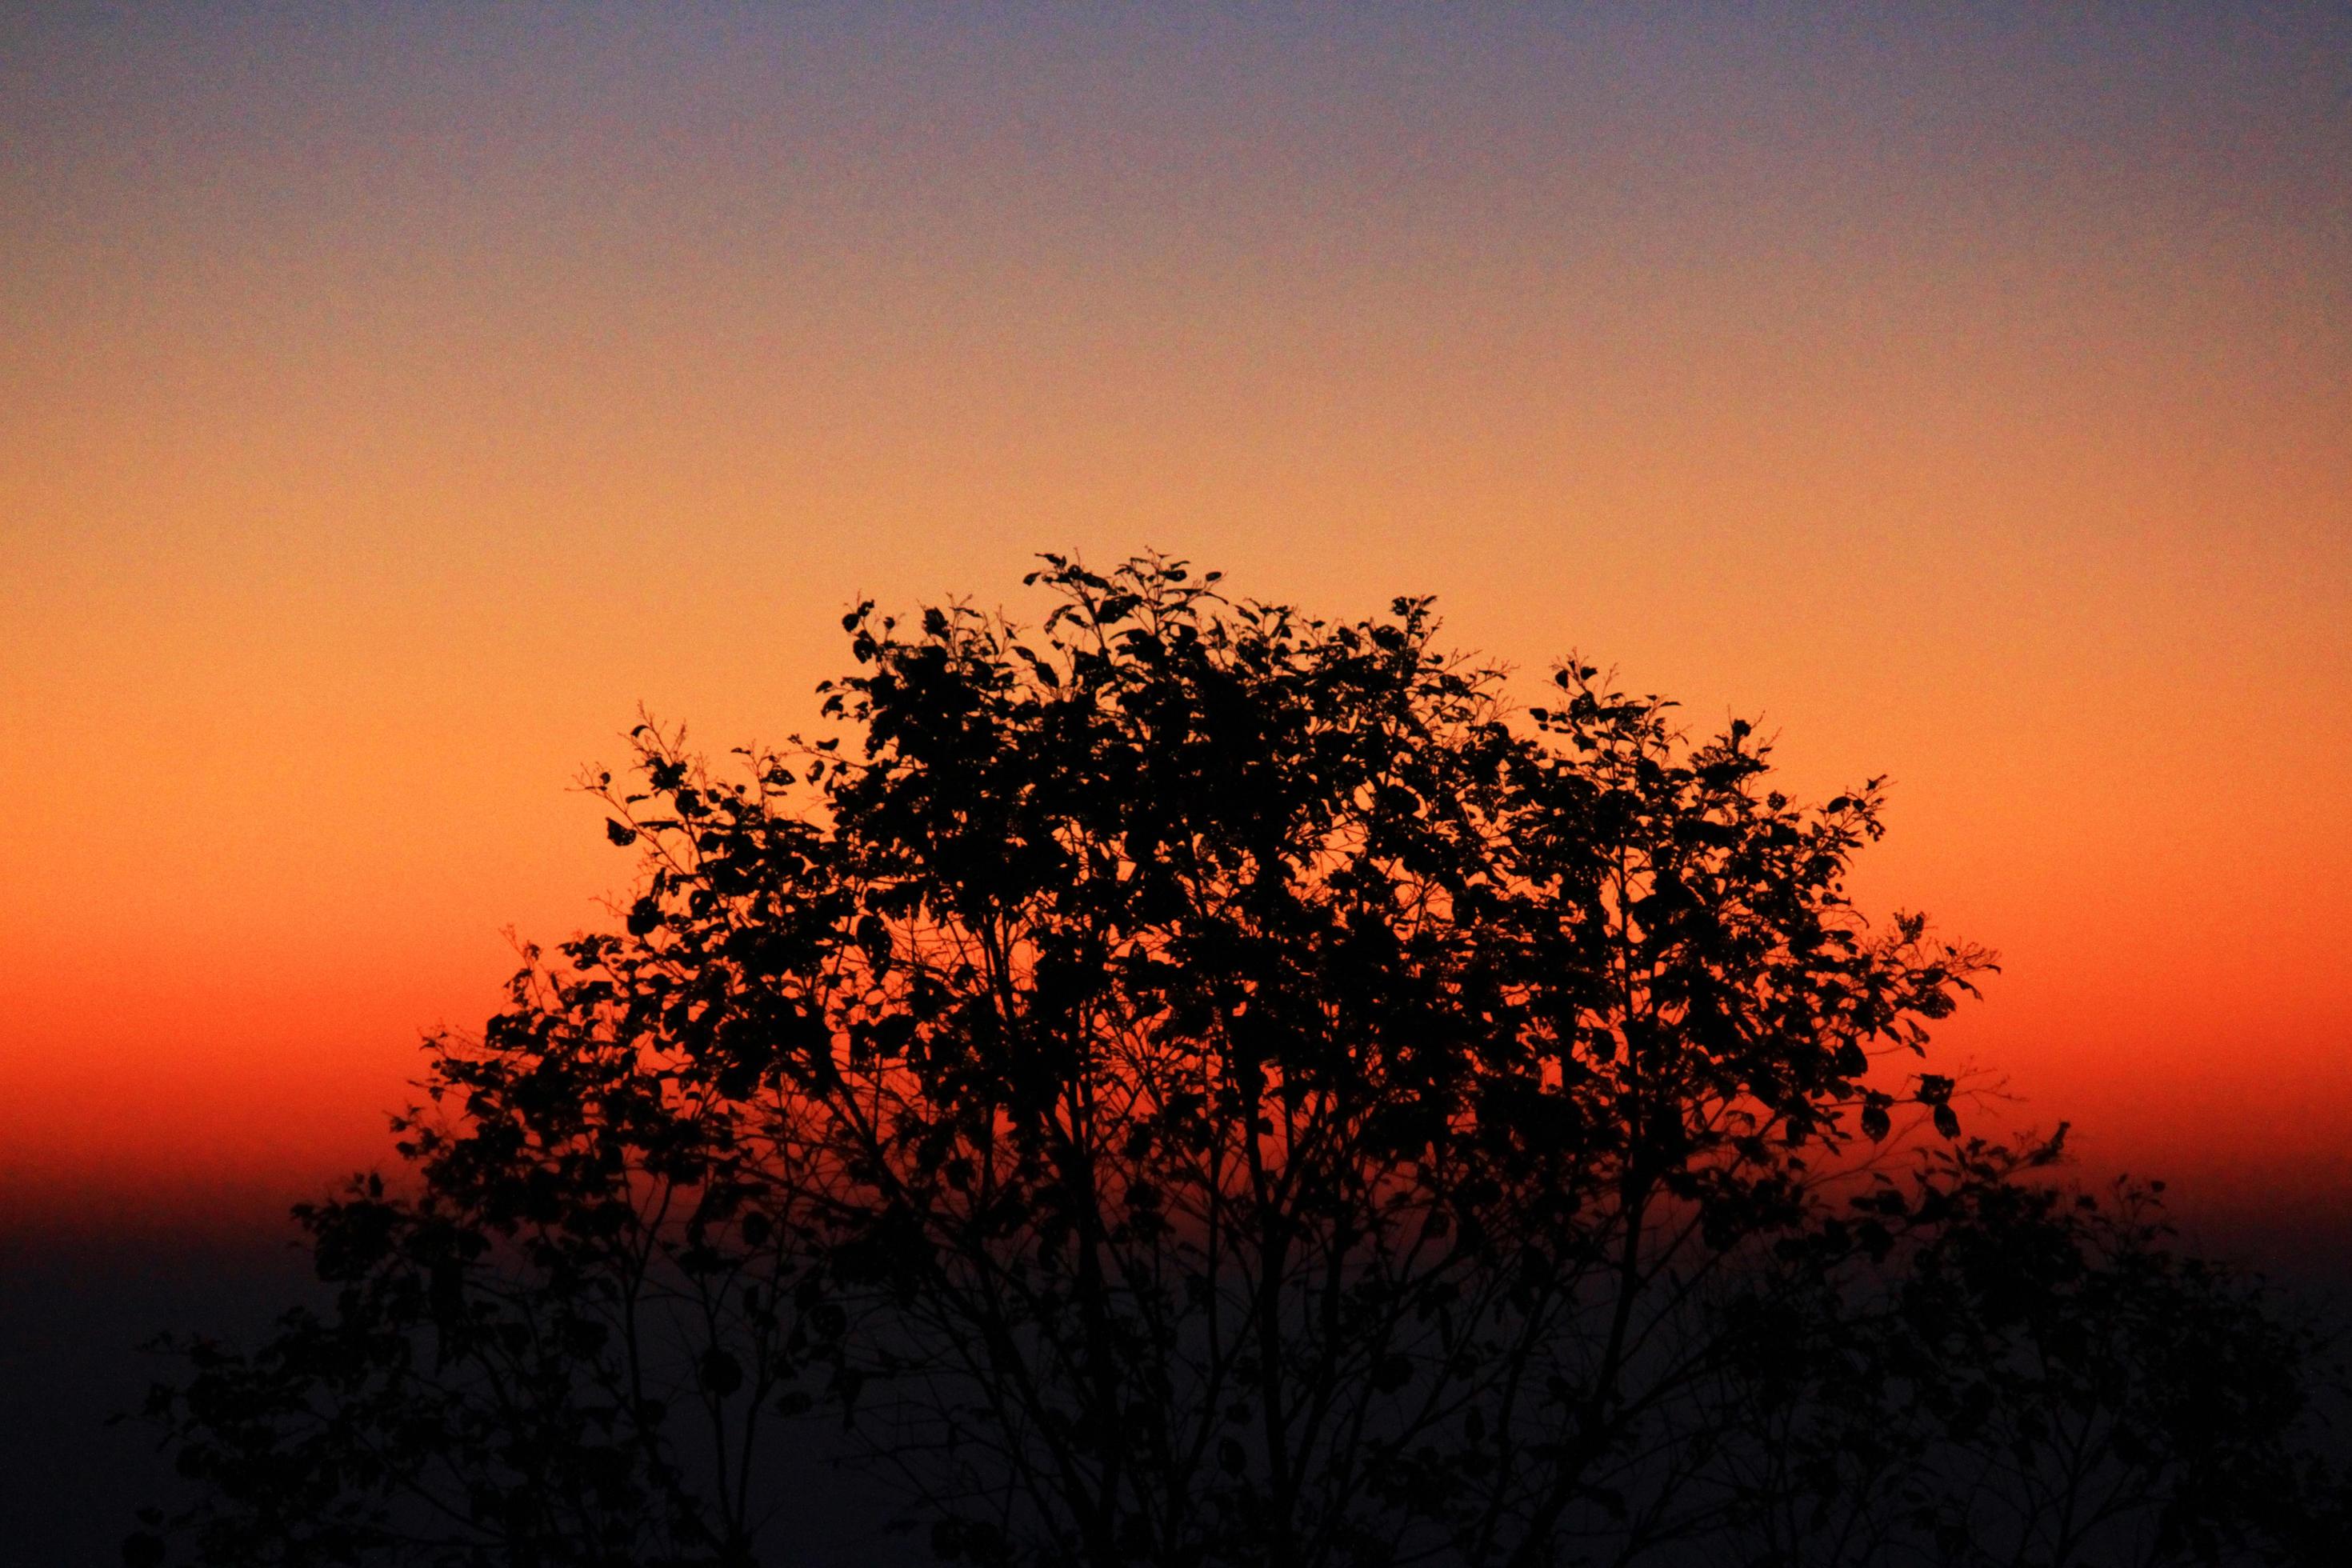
x: 388, y: 405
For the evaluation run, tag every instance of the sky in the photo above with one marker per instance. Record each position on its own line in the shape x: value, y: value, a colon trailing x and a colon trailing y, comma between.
x: 394, y: 399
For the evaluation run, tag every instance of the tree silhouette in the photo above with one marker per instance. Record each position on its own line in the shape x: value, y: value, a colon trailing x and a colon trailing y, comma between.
x: 1200, y: 1084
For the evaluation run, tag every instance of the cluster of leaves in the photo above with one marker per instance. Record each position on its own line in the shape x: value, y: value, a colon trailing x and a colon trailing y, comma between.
x: 1980, y: 1366
x: 1198, y: 1083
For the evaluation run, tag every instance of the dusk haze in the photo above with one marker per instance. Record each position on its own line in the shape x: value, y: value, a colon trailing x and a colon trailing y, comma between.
x: 400, y: 405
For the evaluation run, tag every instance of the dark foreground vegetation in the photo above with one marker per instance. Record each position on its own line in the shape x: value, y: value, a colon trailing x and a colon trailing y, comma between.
x: 1195, y: 1084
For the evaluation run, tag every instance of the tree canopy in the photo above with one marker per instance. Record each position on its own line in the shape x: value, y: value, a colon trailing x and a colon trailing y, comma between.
x: 1194, y: 1083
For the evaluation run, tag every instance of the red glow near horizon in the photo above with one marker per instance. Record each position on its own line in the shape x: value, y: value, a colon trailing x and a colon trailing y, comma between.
x: 390, y: 406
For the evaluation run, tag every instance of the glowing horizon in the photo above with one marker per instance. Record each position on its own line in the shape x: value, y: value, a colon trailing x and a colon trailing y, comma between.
x: 391, y: 404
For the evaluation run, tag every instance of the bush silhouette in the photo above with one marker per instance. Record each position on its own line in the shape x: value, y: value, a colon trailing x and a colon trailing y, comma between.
x: 1198, y: 1084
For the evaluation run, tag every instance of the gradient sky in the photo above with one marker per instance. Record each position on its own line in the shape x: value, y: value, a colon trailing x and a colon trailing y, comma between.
x: 393, y: 398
